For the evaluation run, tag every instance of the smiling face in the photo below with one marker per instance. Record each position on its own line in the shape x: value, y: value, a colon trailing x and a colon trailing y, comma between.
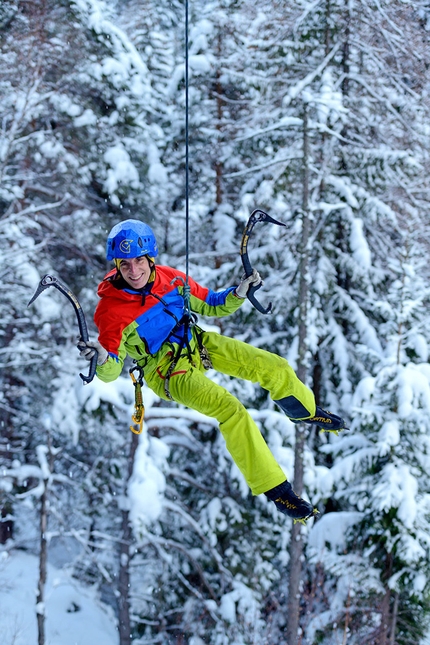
x: 135, y: 271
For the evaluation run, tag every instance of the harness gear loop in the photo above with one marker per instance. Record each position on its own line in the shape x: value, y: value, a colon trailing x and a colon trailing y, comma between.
x: 139, y: 409
x: 204, y: 354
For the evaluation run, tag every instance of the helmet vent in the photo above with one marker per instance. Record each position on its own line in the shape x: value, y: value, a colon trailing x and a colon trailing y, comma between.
x: 140, y: 243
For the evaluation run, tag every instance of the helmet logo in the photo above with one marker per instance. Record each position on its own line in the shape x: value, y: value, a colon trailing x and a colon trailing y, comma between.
x: 125, y: 246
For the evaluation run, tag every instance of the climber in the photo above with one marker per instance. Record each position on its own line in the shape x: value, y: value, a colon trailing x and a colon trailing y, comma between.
x: 143, y: 312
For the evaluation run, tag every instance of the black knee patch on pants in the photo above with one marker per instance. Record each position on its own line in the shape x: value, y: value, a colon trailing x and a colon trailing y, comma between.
x: 293, y: 408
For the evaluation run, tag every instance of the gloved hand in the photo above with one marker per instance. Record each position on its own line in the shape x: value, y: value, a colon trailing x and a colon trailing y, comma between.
x: 87, y: 350
x: 252, y: 281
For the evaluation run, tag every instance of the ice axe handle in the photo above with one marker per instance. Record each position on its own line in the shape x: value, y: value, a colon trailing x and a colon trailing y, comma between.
x: 252, y: 289
x: 250, y: 295
x: 92, y: 370
x: 52, y: 281
x: 83, y: 329
x: 256, y: 216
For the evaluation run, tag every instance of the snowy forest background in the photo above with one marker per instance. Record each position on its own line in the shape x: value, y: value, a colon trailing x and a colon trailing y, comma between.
x: 318, y: 113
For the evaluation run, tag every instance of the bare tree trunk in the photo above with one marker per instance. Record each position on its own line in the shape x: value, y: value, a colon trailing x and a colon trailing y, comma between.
x: 8, y: 441
x: 296, y: 545
x: 394, y: 620
x: 40, y: 600
x: 44, y: 453
x: 346, y: 52
x: 385, y: 619
x: 45, y: 457
x: 218, y: 164
x: 124, y: 561
x: 327, y: 39
x: 385, y: 633
x: 6, y: 524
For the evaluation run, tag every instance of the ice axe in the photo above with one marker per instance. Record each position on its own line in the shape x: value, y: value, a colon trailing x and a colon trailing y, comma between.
x: 52, y: 281
x: 256, y: 216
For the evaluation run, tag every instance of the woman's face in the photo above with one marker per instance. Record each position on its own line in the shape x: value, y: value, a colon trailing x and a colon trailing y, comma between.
x: 135, y: 271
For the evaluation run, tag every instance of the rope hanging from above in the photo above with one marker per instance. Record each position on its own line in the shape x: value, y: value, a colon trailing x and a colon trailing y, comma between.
x: 188, y: 320
x: 187, y: 179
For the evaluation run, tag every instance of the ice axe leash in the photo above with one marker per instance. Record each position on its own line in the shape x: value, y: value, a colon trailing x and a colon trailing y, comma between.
x: 52, y: 281
x: 256, y: 216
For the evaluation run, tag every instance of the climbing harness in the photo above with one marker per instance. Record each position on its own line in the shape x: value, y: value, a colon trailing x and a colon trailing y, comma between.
x: 187, y: 322
x: 139, y: 409
x: 52, y: 281
x: 256, y: 216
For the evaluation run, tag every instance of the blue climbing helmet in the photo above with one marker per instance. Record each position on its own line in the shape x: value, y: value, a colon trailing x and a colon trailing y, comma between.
x: 131, y: 239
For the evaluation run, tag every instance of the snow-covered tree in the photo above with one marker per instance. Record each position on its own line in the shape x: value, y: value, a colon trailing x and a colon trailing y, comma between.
x: 380, y: 474
x: 317, y: 113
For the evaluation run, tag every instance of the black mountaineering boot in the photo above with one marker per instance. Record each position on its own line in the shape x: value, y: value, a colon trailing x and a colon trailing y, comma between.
x: 327, y: 421
x: 289, y: 503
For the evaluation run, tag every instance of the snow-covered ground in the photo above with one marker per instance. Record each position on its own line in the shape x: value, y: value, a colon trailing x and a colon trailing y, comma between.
x: 73, y: 614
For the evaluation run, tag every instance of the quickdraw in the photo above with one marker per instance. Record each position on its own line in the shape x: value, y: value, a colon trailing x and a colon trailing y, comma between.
x: 256, y: 216
x: 52, y: 281
x: 139, y: 409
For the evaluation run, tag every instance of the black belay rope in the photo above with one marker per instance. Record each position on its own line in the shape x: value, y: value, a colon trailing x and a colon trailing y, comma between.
x: 187, y: 146
x: 188, y: 319
x: 52, y: 281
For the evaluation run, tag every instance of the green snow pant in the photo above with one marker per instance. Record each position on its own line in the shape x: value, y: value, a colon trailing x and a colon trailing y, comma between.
x: 189, y: 386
